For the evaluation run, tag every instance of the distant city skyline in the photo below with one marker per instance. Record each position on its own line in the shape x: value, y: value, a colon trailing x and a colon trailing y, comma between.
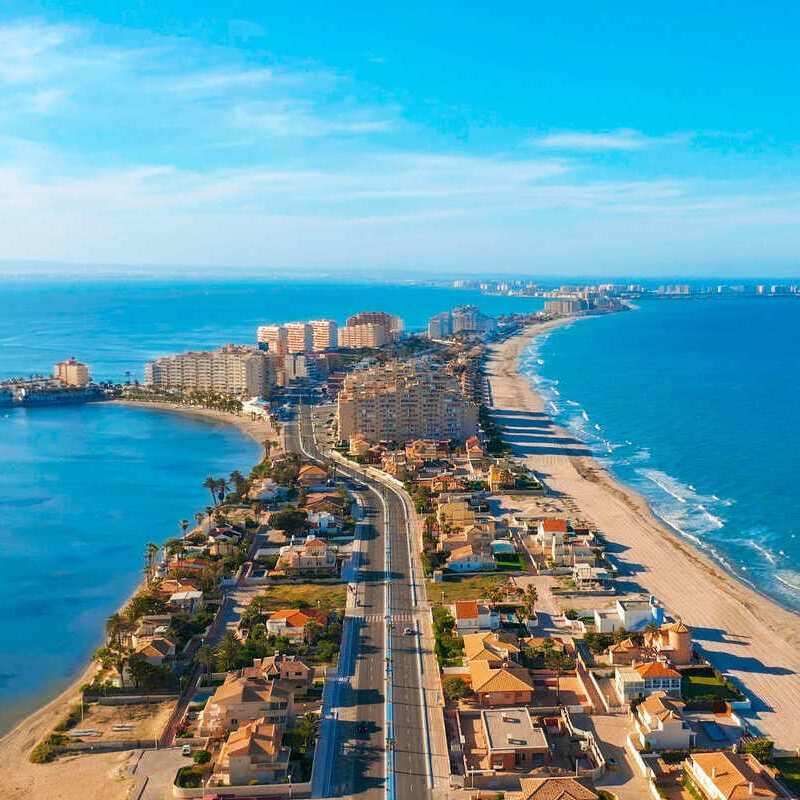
x: 580, y: 140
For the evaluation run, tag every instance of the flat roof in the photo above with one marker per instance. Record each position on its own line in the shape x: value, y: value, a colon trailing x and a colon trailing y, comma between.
x: 512, y: 729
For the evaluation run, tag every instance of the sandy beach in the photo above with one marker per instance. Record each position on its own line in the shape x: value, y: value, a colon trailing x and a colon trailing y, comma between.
x: 745, y: 634
x: 97, y: 777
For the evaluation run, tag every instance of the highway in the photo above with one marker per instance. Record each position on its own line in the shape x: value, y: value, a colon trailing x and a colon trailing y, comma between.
x: 357, y: 750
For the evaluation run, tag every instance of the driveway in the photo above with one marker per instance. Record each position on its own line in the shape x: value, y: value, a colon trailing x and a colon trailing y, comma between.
x: 159, y: 767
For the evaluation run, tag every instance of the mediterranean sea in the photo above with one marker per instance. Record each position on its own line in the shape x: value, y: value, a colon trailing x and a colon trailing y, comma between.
x: 85, y: 488
x: 693, y: 403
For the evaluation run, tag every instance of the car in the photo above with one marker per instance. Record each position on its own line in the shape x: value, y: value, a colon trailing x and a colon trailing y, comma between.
x: 408, y: 631
x: 186, y: 750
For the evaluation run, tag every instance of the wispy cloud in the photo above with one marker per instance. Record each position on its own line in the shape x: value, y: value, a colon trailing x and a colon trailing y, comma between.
x: 620, y: 139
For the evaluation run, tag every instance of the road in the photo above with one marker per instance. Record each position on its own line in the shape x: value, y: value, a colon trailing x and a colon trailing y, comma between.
x: 358, y: 755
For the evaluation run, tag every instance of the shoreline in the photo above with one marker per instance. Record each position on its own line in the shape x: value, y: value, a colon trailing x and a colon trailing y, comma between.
x: 17, y: 742
x: 747, y: 634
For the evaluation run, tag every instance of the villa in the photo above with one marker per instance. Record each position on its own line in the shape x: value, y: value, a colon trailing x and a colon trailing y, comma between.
x: 311, y: 475
x: 555, y: 789
x: 312, y: 556
x: 660, y: 724
x: 642, y: 680
x: 496, y: 647
x: 254, y: 754
x: 472, y: 616
x: 244, y: 699
x: 722, y: 775
x: 291, y: 622
x: 470, y: 558
x: 155, y: 650
x: 512, y: 740
x: 502, y: 686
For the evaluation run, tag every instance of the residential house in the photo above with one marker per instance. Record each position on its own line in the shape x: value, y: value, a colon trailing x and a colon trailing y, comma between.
x: 167, y: 587
x: 672, y: 641
x: 660, y: 724
x: 290, y: 669
x: 244, y: 699
x: 358, y: 446
x: 311, y: 475
x: 291, y: 622
x: 222, y: 543
x: 512, y: 739
x: 500, y: 479
x: 187, y: 602
x: 555, y: 788
x: 428, y: 449
x: 324, y: 522
x: 721, y: 775
x: 470, y: 558
x: 550, y: 529
x: 473, y: 616
x: 312, y: 556
x: 641, y: 680
x: 471, y: 535
x: 496, y: 647
x: 149, y: 626
x: 266, y: 490
x: 506, y: 685
x: 254, y: 754
x: 629, y: 614
x: 155, y: 650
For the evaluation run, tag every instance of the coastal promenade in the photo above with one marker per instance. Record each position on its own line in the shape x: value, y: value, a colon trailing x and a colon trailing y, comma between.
x: 743, y: 633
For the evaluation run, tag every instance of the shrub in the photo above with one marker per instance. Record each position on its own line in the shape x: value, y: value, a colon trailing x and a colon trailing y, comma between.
x: 456, y: 689
x: 761, y: 749
x: 571, y: 613
x: 45, y: 751
x: 187, y: 778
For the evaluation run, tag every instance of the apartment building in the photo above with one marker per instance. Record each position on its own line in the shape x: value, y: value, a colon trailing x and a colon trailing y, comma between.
x: 391, y: 323
x: 404, y: 401
x: 275, y: 337
x: 232, y: 369
x: 299, y: 337
x: 370, y: 334
x: 562, y: 306
x: 71, y: 372
x: 325, y: 334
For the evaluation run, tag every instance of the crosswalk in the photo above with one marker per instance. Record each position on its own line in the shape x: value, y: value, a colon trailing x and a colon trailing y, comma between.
x: 395, y: 617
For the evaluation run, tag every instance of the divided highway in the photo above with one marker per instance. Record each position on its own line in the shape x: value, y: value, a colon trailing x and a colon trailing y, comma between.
x: 356, y: 747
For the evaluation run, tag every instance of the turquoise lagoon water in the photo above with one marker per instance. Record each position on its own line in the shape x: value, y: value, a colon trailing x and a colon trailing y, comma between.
x: 84, y: 488
x: 693, y: 403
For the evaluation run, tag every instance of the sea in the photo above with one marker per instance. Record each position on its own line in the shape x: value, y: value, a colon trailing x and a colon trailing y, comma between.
x: 85, y: 488
x: 693, y: 403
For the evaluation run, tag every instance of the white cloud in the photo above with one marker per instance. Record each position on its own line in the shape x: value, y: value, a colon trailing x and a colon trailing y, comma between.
x: 620, y: 139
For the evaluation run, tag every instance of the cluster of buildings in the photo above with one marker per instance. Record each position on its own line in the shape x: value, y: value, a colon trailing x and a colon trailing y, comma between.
x: 403, y: 401
x: 69, y: 383
x: 462, y: 319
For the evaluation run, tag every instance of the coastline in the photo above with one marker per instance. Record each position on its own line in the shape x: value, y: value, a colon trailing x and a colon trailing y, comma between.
x: 15, y: 745
x: 746, y: 634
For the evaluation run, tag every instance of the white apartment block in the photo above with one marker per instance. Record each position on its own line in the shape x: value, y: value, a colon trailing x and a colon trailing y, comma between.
x: 325, y: 334
x: 299, y: 337
x: 370, y: 334
x: 232, y: 369
x: 276, y: 337
x: 402, y: 402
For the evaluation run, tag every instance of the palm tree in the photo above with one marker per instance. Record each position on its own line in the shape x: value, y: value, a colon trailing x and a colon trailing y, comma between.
x: 114, y: 626
x: 267, y: 445
x: 211, y: 484
x: 184, y: 525
x: 205, y: 656
x: 222, y: 485
x: 556, y: 660
x: 150, y: 553
x: 198, y: 517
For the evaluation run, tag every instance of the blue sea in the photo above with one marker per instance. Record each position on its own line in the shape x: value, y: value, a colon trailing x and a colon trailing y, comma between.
x: 85, y: 488
x: 693, y: 403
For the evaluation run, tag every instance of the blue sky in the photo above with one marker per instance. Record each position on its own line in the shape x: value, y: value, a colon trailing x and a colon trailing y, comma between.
x: 575, y: 138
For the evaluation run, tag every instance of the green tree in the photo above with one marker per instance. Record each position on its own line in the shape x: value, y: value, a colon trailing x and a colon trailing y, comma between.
x: 206, y: 657
x: 455, y: 689
x: 114, y: 626
x: 291, y: 520
x: 557, y: 661
x: 761, y: 749
x: 228, y: 652
x: 150, y: 553
x: 211, y: 484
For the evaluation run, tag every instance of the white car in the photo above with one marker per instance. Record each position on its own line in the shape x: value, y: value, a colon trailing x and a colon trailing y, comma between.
x: 186, y: 750
x: 408, y: 631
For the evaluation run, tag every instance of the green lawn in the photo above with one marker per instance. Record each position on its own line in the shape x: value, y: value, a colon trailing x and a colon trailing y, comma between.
x: 513, y: 562
x: 790, y: 771
x: 704, y: 685
x: 288, y: 595
x: 462, y: 587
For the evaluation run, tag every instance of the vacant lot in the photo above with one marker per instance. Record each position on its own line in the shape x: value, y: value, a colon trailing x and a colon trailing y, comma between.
x: 310, y: 595
x: 463, y: 587
x: 141, y: 721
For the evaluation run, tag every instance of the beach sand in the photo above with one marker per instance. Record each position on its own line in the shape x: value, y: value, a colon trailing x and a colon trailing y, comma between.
x: 744, y: 634
x: 88, y: 777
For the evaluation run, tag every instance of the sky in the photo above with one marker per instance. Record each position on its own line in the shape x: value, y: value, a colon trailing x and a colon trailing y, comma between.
x: 573, y: 138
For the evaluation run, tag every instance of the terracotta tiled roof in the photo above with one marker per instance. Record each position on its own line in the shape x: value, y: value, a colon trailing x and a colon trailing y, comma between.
x: 554, y: 525
x: 467, y: 609
x: 656, y: 669
x: 155, y: 648
x: 293, y: 617
x: 258, y: 738
x: 733, y: 774
x: 246, y: 690
x: 504, y: 679
x: 662, y: 706
x: 555, y: 789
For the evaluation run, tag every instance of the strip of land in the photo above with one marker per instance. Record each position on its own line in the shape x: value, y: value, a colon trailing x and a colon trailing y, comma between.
x: 744, y: 633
